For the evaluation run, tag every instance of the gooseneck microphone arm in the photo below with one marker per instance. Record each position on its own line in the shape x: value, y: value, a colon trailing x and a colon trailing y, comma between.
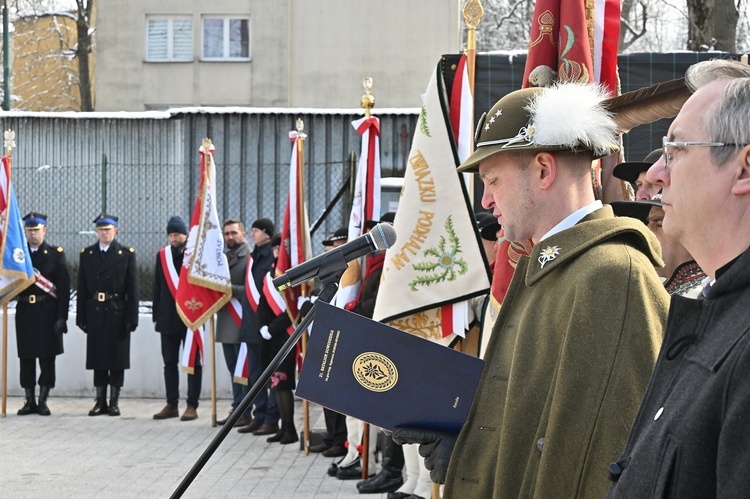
x: 330, y: 273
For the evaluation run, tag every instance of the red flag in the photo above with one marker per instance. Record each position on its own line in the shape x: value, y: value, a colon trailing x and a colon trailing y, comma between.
x: 295, y: 231
x: 559, y: 42
x: 204, y: 285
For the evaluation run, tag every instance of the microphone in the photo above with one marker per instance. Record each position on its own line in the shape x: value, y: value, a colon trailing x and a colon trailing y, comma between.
x: 380, y: 237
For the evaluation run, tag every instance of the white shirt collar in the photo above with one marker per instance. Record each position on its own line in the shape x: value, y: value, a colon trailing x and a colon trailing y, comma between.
x: 103, y: 248
x: 572, y: 219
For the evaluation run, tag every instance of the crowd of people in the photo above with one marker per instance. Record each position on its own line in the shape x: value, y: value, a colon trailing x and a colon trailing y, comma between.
x: 615, y: 366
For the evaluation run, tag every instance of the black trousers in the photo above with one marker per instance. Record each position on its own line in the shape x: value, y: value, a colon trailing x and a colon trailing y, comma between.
x: 170, y: 352
x: 46, y: 372
x: 335, y: 427
x: 104, y: 377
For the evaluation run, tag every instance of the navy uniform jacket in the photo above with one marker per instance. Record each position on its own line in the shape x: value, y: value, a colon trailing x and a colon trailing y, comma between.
x: 113, y: 279
x: 165, y: 314
x: 34, y: 321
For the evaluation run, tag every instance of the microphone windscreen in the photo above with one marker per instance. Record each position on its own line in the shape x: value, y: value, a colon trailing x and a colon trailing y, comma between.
x: 383, y: 235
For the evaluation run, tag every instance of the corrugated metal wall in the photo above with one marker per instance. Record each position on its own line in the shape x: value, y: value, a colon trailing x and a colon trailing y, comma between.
x: 145, y: 170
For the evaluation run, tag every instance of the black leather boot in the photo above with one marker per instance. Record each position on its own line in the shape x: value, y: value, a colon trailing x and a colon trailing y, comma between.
x: 30, y: 406
x: 278, y: 435
x: 290, y: 434
x: 43, y: 394
x: 114, y: 409
x: 101, y: 402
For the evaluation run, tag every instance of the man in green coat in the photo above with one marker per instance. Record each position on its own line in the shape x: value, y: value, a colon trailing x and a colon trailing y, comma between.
x: 576, y: 339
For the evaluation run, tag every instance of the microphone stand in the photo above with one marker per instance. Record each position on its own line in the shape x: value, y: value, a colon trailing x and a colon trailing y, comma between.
x: 330, y: 274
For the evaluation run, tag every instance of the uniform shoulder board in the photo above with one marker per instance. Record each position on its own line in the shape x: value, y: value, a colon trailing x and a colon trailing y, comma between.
x: 84, y: 249
x: 60, y: 250
x: 132, y: 250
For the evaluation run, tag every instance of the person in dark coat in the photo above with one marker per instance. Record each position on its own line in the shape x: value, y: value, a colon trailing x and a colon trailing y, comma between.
x: 167, y: 321
x: 275, y: 328
x: 265, y: 416
x: 690, y: 437
x: 41, y: 315
x: 107, y: 309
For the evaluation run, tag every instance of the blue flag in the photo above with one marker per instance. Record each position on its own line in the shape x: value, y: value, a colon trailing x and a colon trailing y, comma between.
x: 16, y: 270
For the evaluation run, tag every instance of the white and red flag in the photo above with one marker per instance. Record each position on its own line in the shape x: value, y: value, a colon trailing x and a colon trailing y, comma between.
x: 295, y: 230
x: 204, y: 282
x: 241, y: 367
x: 366, y: 201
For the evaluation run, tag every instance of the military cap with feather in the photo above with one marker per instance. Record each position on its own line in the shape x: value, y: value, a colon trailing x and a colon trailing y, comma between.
x: 564, y: 117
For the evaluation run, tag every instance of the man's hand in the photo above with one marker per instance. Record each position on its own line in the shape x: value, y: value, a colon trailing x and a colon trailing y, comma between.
x: 82, y: 326
x: 60, y: 326
x: 130, y: 327
x: 264, y: 333
x: 435, y: 447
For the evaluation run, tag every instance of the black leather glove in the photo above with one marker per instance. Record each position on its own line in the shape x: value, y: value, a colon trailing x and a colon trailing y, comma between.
x: 60, y: 326
x: 82, y: 326
x: 435, y: 447
x: 130, y: 327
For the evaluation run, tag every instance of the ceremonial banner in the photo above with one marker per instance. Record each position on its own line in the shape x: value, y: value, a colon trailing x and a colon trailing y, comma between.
x: 366, y: 202
x: 16, y: 271
x: 295, y: 231
x: 437, y: 259
x: 192, y: 344
x: 204, y: 285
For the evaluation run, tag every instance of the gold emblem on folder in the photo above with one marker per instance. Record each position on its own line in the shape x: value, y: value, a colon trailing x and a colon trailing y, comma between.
x: 375, y: 372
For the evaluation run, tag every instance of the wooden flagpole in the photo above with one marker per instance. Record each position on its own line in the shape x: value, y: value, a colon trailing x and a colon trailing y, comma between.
x: 9, y: 144
x: 211, y: 334
x: 473, y: 13
x: 303, y: 347
x: 5, y: 357
x: 368, y: 102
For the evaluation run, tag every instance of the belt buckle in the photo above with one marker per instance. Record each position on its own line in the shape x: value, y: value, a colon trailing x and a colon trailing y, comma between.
x: 32, y: 298
x: 101, y: 297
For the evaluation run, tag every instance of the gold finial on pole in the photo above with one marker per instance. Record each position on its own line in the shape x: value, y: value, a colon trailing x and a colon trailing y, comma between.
x: 300, y: 125
x: 9, y: 141
x: 206, y: 143
x: 473, y: 14
x: 368, y: 100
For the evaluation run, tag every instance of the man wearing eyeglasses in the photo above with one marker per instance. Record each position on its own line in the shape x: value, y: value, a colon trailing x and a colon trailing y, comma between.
x: 575, y: 341
x: 690, y: 437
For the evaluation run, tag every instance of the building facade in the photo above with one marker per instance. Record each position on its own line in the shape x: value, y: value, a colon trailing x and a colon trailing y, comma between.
x: 293, y: 53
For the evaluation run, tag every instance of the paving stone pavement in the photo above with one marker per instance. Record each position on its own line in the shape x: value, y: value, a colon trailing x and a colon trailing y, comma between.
x: 72, y: 455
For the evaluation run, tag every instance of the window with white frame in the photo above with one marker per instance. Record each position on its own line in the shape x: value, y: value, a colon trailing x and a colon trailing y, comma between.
x: 226, y: 38
x: 169, y: 39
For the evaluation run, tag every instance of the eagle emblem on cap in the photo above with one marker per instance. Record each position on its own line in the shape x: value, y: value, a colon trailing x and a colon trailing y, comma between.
x: 548, y: 254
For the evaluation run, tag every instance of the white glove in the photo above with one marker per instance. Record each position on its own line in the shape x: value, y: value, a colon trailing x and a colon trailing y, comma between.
x: 264, y: 333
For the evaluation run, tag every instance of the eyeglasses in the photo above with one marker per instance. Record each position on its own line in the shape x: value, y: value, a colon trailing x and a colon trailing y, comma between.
x: 665, y: 144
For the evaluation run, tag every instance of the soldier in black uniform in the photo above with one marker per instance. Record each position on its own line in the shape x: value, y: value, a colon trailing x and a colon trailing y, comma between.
x: 41, y: 315
x: 107, y: 311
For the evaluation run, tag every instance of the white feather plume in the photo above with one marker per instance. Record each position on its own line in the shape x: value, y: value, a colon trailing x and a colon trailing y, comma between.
x: 572, y: 115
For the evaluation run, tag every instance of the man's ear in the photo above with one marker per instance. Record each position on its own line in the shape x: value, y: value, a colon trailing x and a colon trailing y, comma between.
x: 546, y: 165
x: 741, y: 184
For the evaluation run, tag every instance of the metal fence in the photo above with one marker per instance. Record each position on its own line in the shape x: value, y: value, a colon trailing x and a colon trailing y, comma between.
x: 143, y: 167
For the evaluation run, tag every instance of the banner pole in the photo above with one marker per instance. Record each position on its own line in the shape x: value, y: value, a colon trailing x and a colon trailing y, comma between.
x: 5, y: 357
x: 211, y: 334
x: 305, y: 287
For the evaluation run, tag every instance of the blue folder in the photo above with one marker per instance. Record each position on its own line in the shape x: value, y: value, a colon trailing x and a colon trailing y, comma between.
x: 384, y: 376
